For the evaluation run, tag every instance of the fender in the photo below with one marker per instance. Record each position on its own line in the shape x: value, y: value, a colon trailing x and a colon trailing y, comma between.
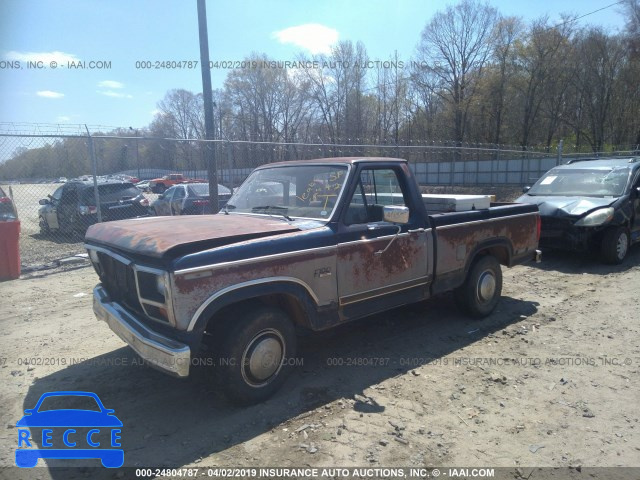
x: 486, y: 244
x: 258, y: 288
x: 454, y: 279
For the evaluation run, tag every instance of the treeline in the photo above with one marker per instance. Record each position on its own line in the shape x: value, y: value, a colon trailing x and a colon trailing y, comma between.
x: 477, y: 77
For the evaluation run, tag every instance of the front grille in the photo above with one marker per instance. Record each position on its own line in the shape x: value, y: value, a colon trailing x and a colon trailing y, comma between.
x: 120, y: 282
x: 556, y: 223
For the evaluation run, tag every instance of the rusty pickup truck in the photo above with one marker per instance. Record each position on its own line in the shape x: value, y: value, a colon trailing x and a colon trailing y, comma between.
x: 303, y: 245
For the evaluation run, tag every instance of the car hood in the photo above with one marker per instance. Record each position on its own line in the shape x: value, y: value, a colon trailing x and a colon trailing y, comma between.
x: 553, y: 206
x: 159, y: 236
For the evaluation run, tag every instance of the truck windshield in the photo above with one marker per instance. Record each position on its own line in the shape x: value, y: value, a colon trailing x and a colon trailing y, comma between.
x: 306, y: 191
x: 583, y: 182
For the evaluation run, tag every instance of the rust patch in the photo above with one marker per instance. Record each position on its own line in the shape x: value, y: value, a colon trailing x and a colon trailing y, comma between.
x: 156, y: 236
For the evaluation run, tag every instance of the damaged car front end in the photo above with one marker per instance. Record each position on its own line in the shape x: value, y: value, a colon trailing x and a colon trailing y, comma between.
x: 589, y: 205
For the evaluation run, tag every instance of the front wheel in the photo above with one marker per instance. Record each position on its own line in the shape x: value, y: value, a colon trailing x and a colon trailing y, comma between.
x: 481, y: 290
x: 44, y: 227
x: 256, y: 354
x: 615, y: 245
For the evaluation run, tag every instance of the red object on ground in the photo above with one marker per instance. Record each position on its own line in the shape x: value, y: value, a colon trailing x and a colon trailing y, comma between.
x: 9, y: 250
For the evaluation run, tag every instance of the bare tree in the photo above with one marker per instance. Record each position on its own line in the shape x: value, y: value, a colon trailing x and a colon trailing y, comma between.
x: 540, y: 58
x: 453, y: 50
x: 601, y: 61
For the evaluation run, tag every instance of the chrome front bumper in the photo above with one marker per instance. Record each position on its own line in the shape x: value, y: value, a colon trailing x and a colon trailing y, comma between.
x: 160, y: 352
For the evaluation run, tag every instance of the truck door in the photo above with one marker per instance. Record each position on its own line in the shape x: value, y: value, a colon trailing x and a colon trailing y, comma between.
x: 380, y: 263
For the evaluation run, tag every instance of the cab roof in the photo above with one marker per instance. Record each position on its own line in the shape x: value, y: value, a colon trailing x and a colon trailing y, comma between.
x: 337, y: 160
x: 601, y: 163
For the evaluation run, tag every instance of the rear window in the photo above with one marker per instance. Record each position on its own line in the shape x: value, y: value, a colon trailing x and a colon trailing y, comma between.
x: 111, y: 191
x: 202, y: 190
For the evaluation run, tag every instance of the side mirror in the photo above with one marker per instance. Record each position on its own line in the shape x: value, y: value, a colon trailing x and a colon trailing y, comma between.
x: 525, y: 189
x: 44, y: 201
x: 395, y: 214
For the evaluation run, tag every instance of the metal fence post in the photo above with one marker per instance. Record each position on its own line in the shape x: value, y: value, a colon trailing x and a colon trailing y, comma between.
x: 560, y: 145
x: 94, y: 162
x: 230, y: 165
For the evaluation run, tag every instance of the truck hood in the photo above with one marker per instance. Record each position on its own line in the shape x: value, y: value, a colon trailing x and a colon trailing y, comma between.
x: 553, y: 206
x: 158, y: 236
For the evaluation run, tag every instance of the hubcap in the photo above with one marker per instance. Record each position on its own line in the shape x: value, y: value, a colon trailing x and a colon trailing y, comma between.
x: 622, y: 245
x: 262, y: 359
x: 486, y: 286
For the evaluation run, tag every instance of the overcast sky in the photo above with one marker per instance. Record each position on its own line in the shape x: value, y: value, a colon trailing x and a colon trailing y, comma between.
x: 99, y: 48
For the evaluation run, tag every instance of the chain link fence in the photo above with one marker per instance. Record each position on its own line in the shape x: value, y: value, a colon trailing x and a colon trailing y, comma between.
x: 38, y: 171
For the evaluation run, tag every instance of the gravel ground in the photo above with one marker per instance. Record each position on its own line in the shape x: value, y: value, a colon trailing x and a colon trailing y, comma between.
x: 548, y: 380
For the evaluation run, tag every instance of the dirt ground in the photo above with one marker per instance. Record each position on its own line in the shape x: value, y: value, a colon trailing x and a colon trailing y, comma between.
x: 550, y: 379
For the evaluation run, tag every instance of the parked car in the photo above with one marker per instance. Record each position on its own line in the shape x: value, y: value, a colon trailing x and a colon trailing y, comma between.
x: 188, y: 199
x: 72, y: 207
x: 7, y: 208
x: 144, y: 186
x: 354, y: 237
x: 590, y: 204
x: 159, y: 185
x: 124, y: 178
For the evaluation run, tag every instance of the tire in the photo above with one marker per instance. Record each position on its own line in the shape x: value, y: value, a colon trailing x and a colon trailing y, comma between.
x: 44, y: 227
x: 250, y: 363
x: 481, y: 290
x: 615, y: 245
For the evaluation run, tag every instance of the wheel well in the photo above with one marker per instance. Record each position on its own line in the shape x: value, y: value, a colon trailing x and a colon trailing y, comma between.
x: 500, y: 252
x: 288, y: 303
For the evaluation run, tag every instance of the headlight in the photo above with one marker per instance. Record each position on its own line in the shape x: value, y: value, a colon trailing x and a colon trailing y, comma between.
x: 93, y: 255
x: 595, y: 218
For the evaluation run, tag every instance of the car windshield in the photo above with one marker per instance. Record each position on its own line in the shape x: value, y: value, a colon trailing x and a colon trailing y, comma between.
x: 600, y: 182
x: 66, y: 402
x: 307, y: 191
x: 109, y: 192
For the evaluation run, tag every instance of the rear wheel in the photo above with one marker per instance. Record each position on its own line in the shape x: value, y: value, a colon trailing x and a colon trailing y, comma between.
x: 254, y: 355
x: 481, y: 290
x: 615, y: 245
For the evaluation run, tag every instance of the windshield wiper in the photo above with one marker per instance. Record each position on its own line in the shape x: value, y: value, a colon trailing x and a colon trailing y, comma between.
x: 282, y: 211
x: 228, y: 207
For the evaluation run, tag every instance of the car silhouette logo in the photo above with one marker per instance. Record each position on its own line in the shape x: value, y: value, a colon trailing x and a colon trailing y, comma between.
x: 71, y: 428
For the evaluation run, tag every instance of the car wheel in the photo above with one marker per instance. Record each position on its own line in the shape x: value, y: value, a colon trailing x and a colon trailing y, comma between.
x: 44, y: 227
x: 481, y: 290
x: 615, y: 245
x: 253, y: 356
